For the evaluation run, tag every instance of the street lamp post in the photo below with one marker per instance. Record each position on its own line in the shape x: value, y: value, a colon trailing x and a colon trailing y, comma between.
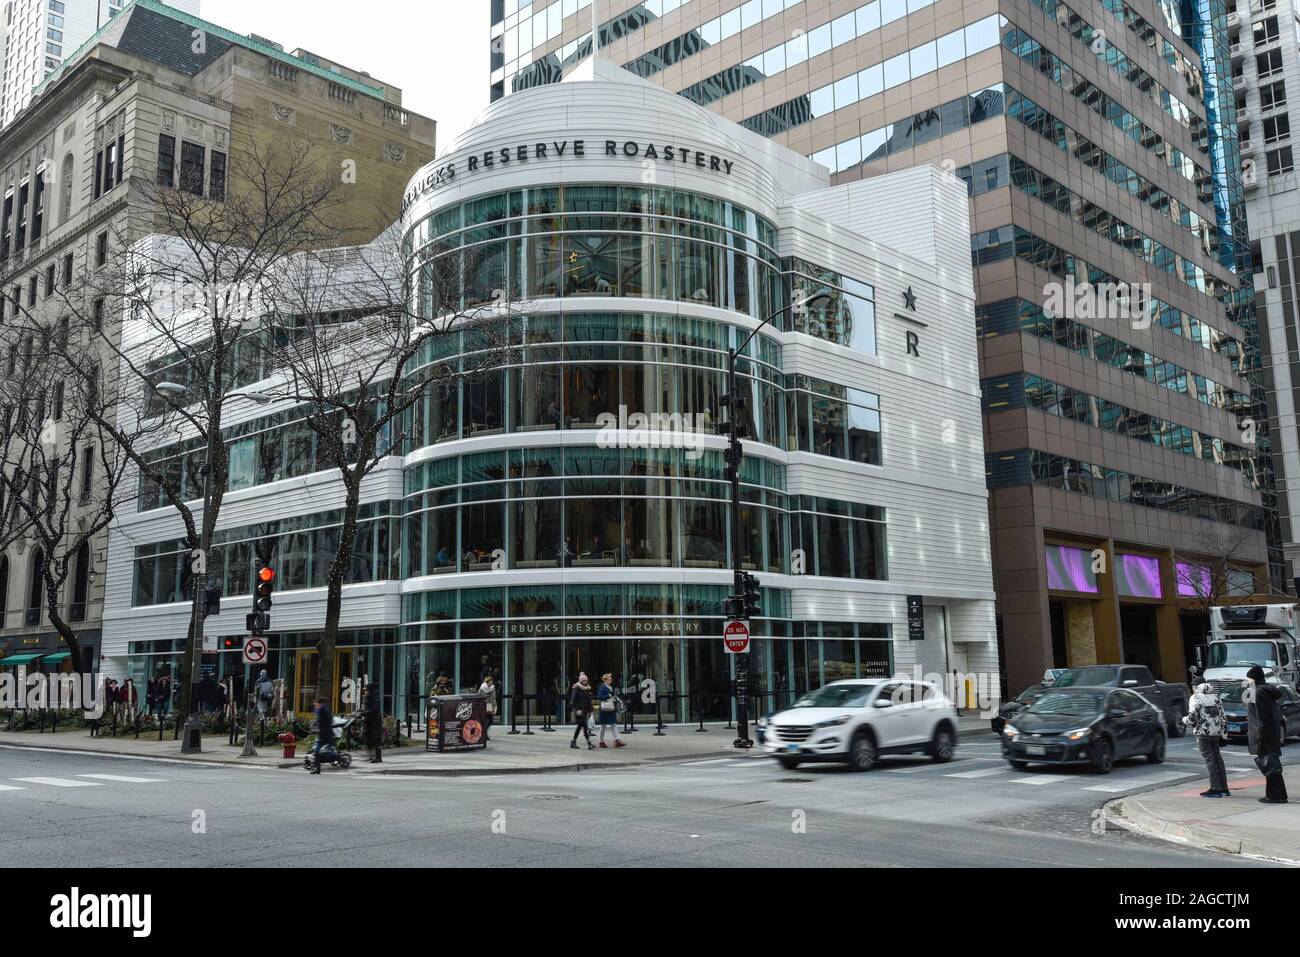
x: 737, y: 606
x: 191, y: 735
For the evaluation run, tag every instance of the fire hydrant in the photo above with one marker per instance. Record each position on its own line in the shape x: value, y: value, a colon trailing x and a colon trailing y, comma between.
x: 290, y: 743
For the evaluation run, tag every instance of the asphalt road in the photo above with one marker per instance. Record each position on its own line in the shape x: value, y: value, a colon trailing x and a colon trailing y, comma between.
x: 78, y: 810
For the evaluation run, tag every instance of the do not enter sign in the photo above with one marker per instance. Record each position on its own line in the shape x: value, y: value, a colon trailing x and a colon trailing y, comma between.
x: 735, y: 636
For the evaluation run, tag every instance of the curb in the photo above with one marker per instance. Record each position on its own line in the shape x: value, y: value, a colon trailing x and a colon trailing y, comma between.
x: 1131, y: 815
x: 232, y: 761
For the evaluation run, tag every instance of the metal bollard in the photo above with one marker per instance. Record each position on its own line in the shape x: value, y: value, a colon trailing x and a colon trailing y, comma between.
x: 699, y: 710
x: 514, y: 715
x: 659, y: 717
x: 528, y: 718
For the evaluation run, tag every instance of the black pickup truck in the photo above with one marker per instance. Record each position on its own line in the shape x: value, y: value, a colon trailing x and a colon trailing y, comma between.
x: 1171, y: 699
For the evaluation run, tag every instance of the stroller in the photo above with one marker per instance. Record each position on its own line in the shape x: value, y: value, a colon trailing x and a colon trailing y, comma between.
x: 329, y: 753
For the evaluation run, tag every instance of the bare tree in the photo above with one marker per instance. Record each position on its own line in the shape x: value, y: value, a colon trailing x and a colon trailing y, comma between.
x: 174, y: 305
x: 350, y: 351
x: 62, y: 481
x: 1213, y: 573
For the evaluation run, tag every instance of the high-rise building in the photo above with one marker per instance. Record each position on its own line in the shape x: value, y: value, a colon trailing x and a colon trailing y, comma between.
x: 1127, y: 440
x: 41, y: 34
x: 1264, y: 46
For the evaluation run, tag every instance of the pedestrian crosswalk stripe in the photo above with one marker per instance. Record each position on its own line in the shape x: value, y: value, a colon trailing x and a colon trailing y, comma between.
x: 1041, y: 779
x: 122, y: 777
x: 1113, y: 787
x: 60, y: 782
x: 10, y: 787
x: 982, y: 773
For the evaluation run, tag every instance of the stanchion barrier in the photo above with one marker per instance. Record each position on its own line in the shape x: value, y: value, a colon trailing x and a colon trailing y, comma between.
x: 659, y: 717
x: 548, y: 709
x: 699, y: 711
x: 528, y: 716
x: 514, y: 715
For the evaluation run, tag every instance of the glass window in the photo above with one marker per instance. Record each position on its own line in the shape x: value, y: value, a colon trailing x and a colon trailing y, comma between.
x: 923, y: 59
x: 951, y: 47
x: 871, y: 81
x: 819, y: 40
x: 868, y: 16
x: 843, y: 29
x: 896, y: 71
x: 982, y: 35
x: 892, y: 10
x: 846, y: 91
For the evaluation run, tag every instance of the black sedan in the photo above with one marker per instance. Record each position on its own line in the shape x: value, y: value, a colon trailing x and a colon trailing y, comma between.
x: 1234, y: 709
x: 1093, y: 726
x: 1008, y: 709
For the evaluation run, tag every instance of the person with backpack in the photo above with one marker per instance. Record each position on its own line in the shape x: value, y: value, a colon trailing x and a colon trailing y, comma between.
x: 580, y: 705
x: 610, y: 706
x: 264, y: 693
x: 1206, y: 719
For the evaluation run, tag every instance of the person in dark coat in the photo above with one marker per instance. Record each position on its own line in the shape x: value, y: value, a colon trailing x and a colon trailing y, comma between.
x: 608, y: 710
x: 580, y: 705
x: 374, y: 713
x: 1265, y: 729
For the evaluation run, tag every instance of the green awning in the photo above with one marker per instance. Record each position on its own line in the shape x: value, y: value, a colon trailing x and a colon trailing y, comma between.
x: 56, y: 657
x: 18, y: 660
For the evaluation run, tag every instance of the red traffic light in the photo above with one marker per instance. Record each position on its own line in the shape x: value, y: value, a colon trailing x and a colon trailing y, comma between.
x: 266, y: 574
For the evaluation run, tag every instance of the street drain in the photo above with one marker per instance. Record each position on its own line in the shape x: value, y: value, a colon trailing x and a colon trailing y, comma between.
x: 551, y: 797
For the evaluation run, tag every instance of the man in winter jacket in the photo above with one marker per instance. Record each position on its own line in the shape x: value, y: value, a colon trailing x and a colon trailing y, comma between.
x: 1264, y: 730
x: 1206, y: 719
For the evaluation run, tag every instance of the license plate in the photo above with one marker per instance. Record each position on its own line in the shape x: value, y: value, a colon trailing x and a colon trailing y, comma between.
x: 1035, y: 749
x: 792, y: 748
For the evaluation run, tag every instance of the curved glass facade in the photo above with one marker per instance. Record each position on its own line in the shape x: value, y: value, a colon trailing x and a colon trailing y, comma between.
x: 595, y: 240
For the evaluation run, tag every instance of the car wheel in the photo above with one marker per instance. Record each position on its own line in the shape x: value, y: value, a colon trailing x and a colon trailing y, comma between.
x: 1103, y: 756
x: 862, y: 753
x: 943, y: 745
x: 789, y: 763
x: 1177, y: 729
x: 345, y: 760
x: 997, y: 726
x: 1157, y: 753
x: 1018, y: 765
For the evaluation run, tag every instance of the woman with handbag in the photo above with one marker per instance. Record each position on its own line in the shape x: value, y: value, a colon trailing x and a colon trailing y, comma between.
x: 610, y: 705
x: 1264, y: 730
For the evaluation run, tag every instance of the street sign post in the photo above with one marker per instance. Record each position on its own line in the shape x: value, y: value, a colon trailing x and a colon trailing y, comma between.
x: 255, y: 650
x: 735, y: 637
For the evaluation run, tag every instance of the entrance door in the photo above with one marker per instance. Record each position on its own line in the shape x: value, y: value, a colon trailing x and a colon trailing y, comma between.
x: 306, y: 680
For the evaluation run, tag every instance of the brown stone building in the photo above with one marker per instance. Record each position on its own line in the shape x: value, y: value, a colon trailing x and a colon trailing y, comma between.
x: 160, y: 97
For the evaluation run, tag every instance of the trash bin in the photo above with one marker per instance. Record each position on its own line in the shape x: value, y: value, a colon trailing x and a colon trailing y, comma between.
x: 456, y: 723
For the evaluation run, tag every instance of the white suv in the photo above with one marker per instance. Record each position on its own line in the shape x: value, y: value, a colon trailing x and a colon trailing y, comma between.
x: 857, y: 721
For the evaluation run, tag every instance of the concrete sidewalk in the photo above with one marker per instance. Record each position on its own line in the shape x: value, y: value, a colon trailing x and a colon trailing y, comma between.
x: 506, y: 754
x: 1234, y: 825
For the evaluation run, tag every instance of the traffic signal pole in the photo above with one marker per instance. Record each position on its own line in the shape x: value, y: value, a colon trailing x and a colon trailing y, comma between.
x: 734, y: 455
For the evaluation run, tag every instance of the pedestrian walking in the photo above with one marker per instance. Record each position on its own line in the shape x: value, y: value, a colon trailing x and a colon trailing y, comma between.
x: 374, y: 724
x: 264, y: 693
x: 609, y: 708
x: 164, y: 695
x: 489, y: 688
x: 1264, y: 732
x: 1208, y: 724
x: 580, y: 705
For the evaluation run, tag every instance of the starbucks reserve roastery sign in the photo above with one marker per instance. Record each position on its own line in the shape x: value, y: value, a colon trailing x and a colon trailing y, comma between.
x: 520, y: 153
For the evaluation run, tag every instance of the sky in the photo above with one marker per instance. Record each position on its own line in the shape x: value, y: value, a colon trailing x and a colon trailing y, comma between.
x: 436, y: 51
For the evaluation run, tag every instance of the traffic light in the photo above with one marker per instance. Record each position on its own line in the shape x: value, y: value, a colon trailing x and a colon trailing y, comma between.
x: 733, y: 607
x: 732, y: 455
x: 231, y: 643
x: 751, y: 596
x: 259, y: 620
x: 265, y: 583
x: 211, y: 602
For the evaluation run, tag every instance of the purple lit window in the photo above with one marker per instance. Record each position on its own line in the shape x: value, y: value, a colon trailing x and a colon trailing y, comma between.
x: 1138, y: 576
x: 1193, y: 580
x: 1070, y: 569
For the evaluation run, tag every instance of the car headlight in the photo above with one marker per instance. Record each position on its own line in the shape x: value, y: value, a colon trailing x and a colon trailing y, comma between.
x: 1010, y: 730
x: 833, y: 722
x: 761, y: 723
x: 1078, y: 734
